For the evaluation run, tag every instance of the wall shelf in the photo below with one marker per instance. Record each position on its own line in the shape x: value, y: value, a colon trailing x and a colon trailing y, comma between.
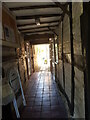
x: 9, y: 44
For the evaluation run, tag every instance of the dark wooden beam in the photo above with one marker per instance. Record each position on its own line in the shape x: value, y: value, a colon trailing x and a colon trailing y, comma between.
x: 37, y: 31
x: 63, y: 56
x: 33, y: 7
x: 37, y: 16
x: 55, y: 71
x: 66, y: 5
x: 72, y: 60
x: 38, y: 36
x: 39, y: 41
x: 53, y: 31
x: 63, y: 7
x: 37, y: 27
x: 85, y: 37
x: 51, y: 22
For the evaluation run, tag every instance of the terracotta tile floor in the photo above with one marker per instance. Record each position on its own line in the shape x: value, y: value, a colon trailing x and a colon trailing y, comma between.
x: 43, y: 99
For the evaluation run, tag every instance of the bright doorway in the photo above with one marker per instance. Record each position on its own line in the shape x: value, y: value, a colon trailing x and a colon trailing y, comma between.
x: 41, y: 57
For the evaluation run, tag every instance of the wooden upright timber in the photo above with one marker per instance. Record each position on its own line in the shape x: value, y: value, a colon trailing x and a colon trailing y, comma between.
x: 72, y: 60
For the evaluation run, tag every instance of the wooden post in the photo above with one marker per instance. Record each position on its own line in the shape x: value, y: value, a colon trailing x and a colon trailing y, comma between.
x: 55, y: 58
x: 50, y: 49
x: 72, y: 60
x: 63, y: 56
x: 33, y: 58
x: 85, y: 37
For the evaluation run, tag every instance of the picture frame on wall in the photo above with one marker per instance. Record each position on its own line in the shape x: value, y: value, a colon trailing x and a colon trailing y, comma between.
x: 3, y: 37
x: 7, y: 33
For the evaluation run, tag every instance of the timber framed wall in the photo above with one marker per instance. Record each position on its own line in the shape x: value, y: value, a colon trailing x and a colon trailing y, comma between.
x: 71, y: 61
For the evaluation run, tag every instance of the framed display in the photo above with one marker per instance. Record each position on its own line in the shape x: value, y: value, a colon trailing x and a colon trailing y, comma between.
x: 3, y: 37
x: 7, y: 33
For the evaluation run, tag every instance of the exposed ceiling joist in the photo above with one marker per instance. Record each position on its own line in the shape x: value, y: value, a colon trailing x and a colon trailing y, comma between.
x: 39, y: 41
x: 61, y: 18
x: 22, y: 25
x: 33, y: 7
x: 63, y: 7
x: 39, y: 36
x: 38, y: 27
x: 52, y: 31
x: 37, y: 16
x: 37, y: 31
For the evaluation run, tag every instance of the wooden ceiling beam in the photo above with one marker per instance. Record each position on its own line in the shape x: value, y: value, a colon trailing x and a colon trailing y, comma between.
x: 51, y: 22
x: 40, y: 39
x: 52, y: 31
x: 33, y: 7
x: 63, y: 7
x: 37, y: 16
x: 38, y: 31
x: 39, y: 42
x: 38, y: 27
x: 38, y: 36
x: 61, y: 18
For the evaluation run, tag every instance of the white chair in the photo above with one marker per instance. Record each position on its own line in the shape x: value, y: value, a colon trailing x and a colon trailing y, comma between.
x: 16, y: 85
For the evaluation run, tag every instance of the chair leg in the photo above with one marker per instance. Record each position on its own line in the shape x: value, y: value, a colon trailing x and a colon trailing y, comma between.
x: 24, y: 101
x: 16, y: 108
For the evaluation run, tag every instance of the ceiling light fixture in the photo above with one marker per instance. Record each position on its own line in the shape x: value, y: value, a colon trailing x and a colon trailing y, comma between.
x: 50, y: 39
x: 37, y: 20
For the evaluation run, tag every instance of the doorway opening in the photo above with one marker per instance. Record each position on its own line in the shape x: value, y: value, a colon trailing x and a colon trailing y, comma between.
x: 41, y: 57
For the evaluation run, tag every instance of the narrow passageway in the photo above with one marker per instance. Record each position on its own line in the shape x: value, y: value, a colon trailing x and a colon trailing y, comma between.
x: 42, y: 97
x: 44, y: 59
